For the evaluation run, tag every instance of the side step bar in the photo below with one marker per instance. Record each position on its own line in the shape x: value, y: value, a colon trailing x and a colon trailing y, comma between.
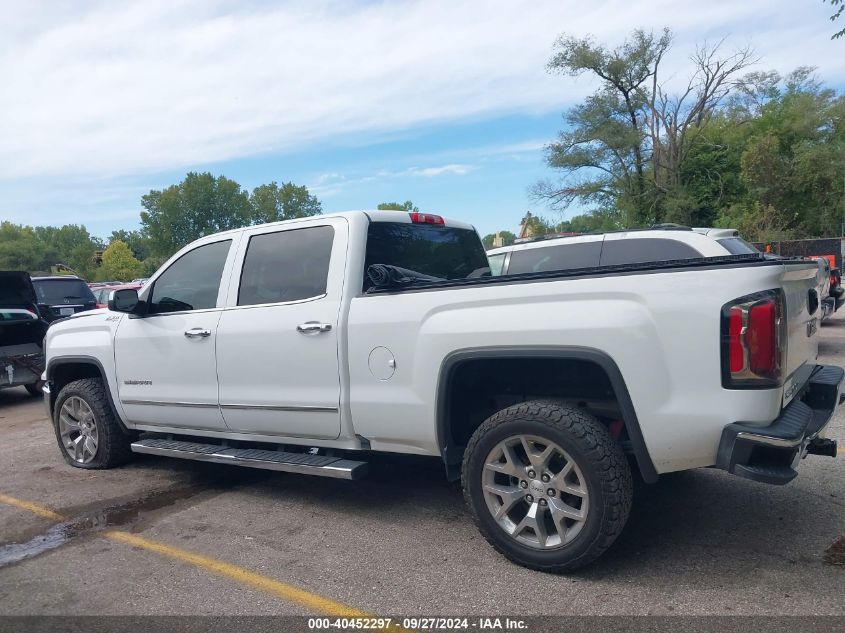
x: 320, y: 465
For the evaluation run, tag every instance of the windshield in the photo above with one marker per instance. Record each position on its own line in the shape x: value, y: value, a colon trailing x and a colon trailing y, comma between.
x: 62, y: 291
x: 430, y: 249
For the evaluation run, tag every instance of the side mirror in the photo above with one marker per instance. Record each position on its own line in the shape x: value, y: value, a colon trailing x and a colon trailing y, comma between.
x: 123, y: 300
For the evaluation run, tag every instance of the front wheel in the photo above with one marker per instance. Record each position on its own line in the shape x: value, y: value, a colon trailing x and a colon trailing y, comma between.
x: 547, y: 485
x: 87, y: 429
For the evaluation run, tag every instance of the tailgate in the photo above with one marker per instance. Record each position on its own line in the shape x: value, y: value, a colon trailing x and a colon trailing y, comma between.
x: 803, y: 314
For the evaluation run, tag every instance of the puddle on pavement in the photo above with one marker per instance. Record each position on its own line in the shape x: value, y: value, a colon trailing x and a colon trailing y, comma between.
x: 835, y: 554
x: 53, y: 538
x: 134, y: 512
x: 136, y: 509
x: 121, y: 514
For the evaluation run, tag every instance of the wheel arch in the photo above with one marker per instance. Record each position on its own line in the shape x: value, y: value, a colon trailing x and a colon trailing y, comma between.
x: 452, y: 453
x: 66, y: 369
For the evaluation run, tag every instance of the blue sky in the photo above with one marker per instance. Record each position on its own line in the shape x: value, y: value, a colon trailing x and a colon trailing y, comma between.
x: 447, y: 104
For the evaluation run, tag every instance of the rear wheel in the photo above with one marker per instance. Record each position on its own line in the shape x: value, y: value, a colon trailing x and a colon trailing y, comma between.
x: 87, y: 429
x: 547, y: 485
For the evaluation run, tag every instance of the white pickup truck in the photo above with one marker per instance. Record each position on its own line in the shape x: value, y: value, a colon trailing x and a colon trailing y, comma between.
x: 302, y: 346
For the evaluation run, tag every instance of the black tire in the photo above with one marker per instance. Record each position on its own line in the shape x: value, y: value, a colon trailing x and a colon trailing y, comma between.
x: 112, y: 442
x: 605, y: 470
x: 34, y: 389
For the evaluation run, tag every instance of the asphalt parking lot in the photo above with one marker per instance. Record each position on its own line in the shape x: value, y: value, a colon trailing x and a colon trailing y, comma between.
x: 164, y: 536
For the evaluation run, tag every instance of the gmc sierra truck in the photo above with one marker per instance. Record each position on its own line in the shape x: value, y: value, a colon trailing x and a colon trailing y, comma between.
x: 303, y: 346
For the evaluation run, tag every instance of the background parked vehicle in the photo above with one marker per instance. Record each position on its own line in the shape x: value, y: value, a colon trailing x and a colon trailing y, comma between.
x: 660, y: 243
x: 101, y: 293
x: 830, y: 289
x: 61, y: 296
x: 22, y: 332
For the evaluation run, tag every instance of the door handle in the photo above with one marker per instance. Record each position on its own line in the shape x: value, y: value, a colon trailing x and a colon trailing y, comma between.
x: 313, y: 327
x: 197, y: 332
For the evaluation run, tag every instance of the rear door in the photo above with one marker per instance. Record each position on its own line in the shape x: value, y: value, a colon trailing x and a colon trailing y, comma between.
x: 277, y: 345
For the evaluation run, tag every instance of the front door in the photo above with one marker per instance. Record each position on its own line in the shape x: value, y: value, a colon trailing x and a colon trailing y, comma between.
x: 166, y: 359
x: 277, y: 344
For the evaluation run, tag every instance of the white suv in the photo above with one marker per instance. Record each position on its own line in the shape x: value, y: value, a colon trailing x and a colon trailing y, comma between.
x: 657, y: 244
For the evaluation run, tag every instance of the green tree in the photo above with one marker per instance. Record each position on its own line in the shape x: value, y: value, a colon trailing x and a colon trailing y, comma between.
x: 398, y: 206
x: 119, y: 263
x: 507, y: 239
x: 138, y: 243
x: 601, y: 220
x: 771, y: 163
x: 70, y: 244
x: 20, y: 249
x: 199, y: 205
x: 271, y: 203
x: 626, y: 145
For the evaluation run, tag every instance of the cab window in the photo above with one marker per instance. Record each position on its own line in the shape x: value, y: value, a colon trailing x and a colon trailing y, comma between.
x: 192, y: 282
x: 286, y: 266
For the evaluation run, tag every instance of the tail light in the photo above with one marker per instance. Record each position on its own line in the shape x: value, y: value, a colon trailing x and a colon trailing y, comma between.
x: 426, y: 218
x: 832, y: 281
x: 753, y: 341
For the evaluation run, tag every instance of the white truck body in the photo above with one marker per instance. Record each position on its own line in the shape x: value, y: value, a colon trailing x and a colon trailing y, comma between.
x: 374, y: 369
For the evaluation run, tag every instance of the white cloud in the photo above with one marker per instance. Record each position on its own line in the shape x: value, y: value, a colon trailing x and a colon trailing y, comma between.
x: 111, y: 88
x: 329, y: 184
x: 453, y: 169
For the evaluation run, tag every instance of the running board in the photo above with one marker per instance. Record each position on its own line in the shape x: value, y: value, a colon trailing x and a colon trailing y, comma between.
x: 320, y: 465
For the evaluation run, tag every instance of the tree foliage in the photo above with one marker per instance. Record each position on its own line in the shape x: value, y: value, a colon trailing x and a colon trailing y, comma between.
x: 137, y: 242
x: 199, y: 205
x: 40, y: 248
x: 398, y: 206
x: 172, y: 217
x: 727, y: 148
x: 203, y: 204
x: 271, y: 203
x: 119, y: 263
x: 507, y: 239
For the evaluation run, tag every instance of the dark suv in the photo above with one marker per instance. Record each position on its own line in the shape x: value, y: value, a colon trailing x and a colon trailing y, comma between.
x: 62, y: 296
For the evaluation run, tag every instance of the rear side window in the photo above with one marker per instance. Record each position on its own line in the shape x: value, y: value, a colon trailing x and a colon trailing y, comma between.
x: 559, y: 257
x: 438, y: 251
x: 192, y: 282
x: 286, y: 266
x: 636, y: 251
x: 737, y: 246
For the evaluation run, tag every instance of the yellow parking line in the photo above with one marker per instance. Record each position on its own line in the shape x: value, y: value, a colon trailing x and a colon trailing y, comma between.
x: 277, y: 588
x: 31, y: 507
x: 243, y: 576
x: 841, y: 450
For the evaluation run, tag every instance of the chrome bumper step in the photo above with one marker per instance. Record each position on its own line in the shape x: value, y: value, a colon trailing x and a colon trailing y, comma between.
x: 303, y: 463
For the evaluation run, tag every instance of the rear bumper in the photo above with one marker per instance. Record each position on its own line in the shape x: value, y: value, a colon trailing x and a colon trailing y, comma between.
x: 770, y: 454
